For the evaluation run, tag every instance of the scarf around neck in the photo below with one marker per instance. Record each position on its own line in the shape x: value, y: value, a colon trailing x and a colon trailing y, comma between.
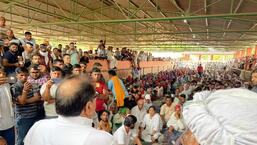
x: 45, y: 54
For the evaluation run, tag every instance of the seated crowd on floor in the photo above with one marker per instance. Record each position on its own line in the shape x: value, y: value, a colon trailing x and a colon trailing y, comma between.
x: 30, y: 75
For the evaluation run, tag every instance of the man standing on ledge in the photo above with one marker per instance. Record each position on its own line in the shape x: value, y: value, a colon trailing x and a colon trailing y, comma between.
x: 75, y: 105
x: 117, y: 87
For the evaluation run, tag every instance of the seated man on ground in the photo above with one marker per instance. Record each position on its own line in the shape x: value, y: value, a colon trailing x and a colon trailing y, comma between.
x: 126, y: 134
x: 151, y: 126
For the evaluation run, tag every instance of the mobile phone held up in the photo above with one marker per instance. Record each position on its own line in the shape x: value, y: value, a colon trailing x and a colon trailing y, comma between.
x: 11, y: 79
x: 56, y: 80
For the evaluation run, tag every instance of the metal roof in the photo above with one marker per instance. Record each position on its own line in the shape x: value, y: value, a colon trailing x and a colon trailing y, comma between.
x: 218, y: 24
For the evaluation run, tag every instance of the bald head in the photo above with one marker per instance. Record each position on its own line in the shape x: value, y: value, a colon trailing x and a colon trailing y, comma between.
x: 73, y: 94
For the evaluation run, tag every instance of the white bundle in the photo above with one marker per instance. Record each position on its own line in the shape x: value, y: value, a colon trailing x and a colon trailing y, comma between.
x: 224, y: 117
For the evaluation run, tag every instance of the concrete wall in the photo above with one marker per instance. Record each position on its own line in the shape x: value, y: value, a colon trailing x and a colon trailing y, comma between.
x: 124, y: 67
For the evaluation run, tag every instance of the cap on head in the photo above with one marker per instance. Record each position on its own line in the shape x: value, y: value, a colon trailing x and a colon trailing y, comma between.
x: 148, y: 97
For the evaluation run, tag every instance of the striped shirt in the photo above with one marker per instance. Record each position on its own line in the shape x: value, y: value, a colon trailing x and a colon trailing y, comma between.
x: 27, y: 110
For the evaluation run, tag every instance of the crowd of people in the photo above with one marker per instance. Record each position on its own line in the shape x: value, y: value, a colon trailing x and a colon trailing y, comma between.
x: 246, y: 63
x: 48, y: 97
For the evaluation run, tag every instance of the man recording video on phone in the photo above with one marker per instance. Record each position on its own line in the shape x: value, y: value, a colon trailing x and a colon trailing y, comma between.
x: 48, y: 91
x: 28, y: 104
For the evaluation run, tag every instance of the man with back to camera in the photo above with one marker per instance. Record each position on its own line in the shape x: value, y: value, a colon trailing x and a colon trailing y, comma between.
x: 75, y: 105
x: 116, y: 85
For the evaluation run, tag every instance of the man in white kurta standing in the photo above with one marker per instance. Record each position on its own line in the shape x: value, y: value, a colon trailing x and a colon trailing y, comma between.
x: 75, y: 105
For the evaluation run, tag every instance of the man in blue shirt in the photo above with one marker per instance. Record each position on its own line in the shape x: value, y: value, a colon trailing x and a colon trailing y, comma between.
x: 117, y: 87
x: 10, y: 59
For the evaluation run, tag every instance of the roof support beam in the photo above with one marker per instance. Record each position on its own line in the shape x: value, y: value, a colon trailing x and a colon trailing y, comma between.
x: 174, y: 2
x: 61, y: 9
x: 138, y: 9
x: 211, y: 4
x: 54, y: 15
x: 242, y: 35
x: 170, y: 33
x: 215, y: 16
x: 206, y: 20
x: 156, y: 7
x: 231, y: 11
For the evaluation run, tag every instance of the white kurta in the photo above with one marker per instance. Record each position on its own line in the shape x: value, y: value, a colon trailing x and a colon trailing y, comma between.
x: 49, y: 108
x: 67, y: 131
x: 150, y: 125
x: 177, y: 124
x: 6, y: 109
x: 224, y: 117
x: 121, y: 137
x: 140, y: 114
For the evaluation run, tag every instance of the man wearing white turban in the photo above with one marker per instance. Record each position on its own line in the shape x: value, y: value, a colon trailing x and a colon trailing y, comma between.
x: 224, y: 117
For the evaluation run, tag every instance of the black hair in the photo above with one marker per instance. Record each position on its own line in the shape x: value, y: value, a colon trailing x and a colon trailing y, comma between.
x: 35, y: 54
x: 130, y: 120
x: 96, y: 64
x: 83, y: 62
x: 55, y: 68
x: 96, y: 70
x: 34, y: 66
x: 105, y: 111
x: 27, y: 33
x: 13, y: 43
x: 76, y: 66
x: 153, y: 107
x: 57, y: 61
x: 169, y: 97
x: 21, y: 70
x: 183, y: 96
x: 73, y: 105
x: 65, y: 55
x: 29, y: 43
x: 42, y: 45
x: 112, y: 72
